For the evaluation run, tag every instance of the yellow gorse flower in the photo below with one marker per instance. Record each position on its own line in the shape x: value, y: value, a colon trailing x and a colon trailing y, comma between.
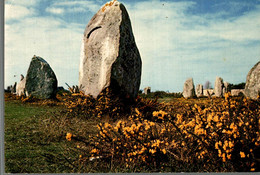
x: 242, y: 154
x: 68, y: 136
x: 160, y: 114
x: 141, y: 137
x: 152, y: 151
x: 94, y: 150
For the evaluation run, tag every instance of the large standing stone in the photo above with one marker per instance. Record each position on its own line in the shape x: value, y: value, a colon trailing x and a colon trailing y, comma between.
x: 188, y: 89
x: 252, y: 88
x: 41, y: 81
x: 199, y: 90
x: 20, y: 88
x: 218, y: 89
x: 109, y: 55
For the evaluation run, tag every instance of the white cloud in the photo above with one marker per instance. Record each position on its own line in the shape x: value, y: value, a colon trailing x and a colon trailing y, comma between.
x: 53, y: 10
x: 245, y: 28
x: 76, y: 9
x: 17, y: 12
x: 27, y: 3
x: 78, y: 6
x: 175, y: 45
x: 54, y: 40
x: 19, y: 9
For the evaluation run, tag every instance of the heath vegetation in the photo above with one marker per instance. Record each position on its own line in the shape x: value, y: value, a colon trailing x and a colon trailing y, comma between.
x: 146, y: 135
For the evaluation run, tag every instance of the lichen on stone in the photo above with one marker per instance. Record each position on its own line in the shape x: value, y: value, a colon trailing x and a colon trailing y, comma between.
x: 108, y: 4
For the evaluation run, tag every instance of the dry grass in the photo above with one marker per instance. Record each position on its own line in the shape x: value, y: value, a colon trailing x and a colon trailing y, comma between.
x: 176, y: 135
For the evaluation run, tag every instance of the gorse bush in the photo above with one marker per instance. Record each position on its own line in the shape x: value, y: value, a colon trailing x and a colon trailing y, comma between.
x: 194, y: 135
x: 225, y: 135
x: 222, y: 136
x: 134, y: 143
x: 106, y: 104
x: 80, y: 105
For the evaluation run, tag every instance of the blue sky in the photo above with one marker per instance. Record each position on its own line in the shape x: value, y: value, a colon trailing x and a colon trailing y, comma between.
x: 177, y: 39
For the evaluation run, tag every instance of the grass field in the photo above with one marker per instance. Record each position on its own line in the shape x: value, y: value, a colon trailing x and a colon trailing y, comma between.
x: 26, y: 148
x: 33, y: 147
x: 37, y: 140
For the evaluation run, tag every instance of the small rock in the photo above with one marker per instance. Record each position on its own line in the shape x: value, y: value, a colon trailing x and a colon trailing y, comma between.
x: 147, y: 90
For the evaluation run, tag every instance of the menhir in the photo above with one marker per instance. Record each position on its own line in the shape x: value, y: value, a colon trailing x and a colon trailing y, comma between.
x: 109, y: 55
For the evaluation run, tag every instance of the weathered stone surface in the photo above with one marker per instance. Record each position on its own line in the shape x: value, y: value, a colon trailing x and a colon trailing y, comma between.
x: 252, y: 88
x: 208, y: 92
x: 109, y: 55
x: 20, y: 88
x: 147, y: 90
x: 41, y: 81
x: 218, y: 88
x: 237, y: 92
x: 188, y: 89
x: 199, y: 90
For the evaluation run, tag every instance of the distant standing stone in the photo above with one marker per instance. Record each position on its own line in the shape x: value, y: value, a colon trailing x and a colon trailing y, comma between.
x: 109, y: 55
x: 147, y: 90
x: 20, y: 88
x: 252, y: 88
x: 226, y: 84
x: 218, y: 89
x: 225, y: 87
x: 13, y: 89
x: 237, y: 92
x: 199, y: 90
x: 188, y: 89
x: 41, y: 81
x: 208, y: 92
x: 9, y: 88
